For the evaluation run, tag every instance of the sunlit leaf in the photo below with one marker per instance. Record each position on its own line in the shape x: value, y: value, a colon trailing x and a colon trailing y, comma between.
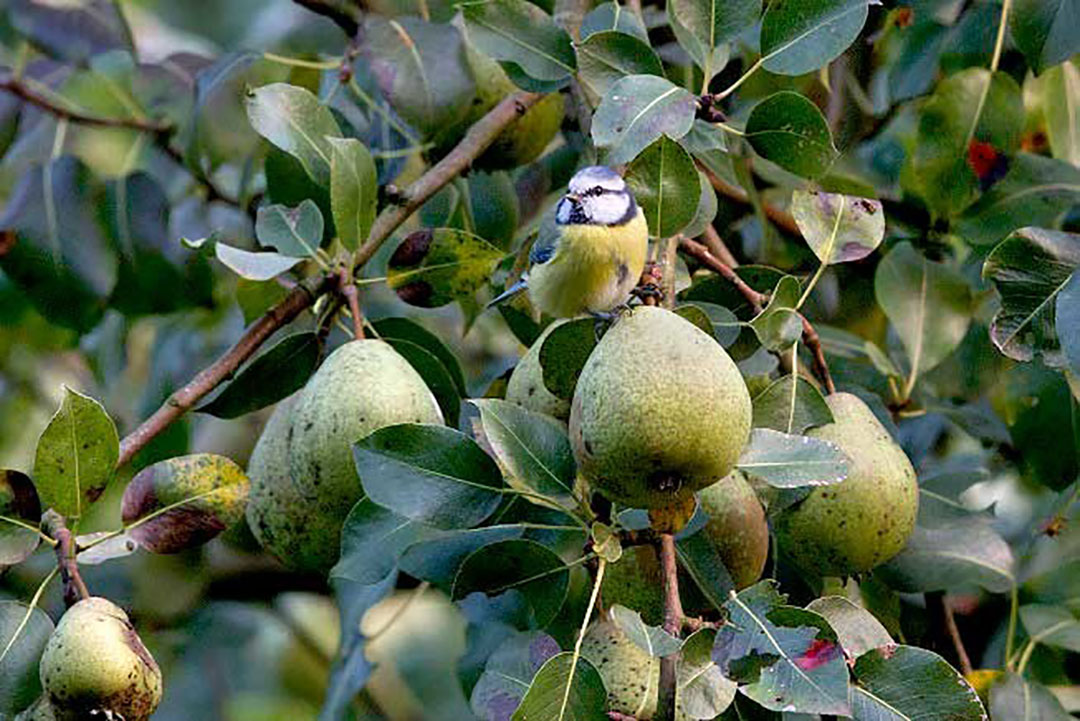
x: 636, y: 111
x: 438, y: 266
x: 838, y: 228
x: 857, y: 629
x: 791, y: 461
x: 799, y: 36
x: 294, y: 120
x: 519, y: 32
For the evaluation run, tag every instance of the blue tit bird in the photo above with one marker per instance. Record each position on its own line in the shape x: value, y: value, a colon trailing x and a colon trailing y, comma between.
x: 590, y: 252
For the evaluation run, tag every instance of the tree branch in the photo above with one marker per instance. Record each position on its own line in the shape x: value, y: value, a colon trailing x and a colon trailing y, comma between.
x: 783, y: 219
x: 345, y: 13
x: 936, y: 601
x: 482, y: 134
x: 813, y: 344
x: 183, y: 400
x: 673, y: 623
x: 22, y: 91
x: 75, y: 588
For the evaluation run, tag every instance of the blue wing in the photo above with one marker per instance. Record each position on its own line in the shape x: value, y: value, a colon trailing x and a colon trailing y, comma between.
x: 547, y: 241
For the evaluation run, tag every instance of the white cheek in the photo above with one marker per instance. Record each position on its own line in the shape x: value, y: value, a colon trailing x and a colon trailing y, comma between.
x: 606, y: 209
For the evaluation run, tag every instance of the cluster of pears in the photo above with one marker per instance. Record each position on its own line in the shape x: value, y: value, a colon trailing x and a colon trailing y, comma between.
x: 96, y: 666
x: 303, y: 481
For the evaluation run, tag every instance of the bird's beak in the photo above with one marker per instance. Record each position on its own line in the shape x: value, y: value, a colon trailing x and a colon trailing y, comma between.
x: 573, y: 198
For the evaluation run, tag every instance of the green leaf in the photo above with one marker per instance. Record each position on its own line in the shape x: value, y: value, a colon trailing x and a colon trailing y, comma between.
x: 434, y: 267
x: 792, y: 461
x: 71, y: 31
x: 438, y: 555
x: 1036, y: 192
x: 701, y: 690
x: 779, y: 325
x: 373, y: 538
x: 711, y: 23
x: 421, y: 69
x: 532, y: 448
x: 653, y: 640
x: 1057, y: 95
x: 520, y: 565
x: 254, y: 266
x: 784, y: 658
x: 613, y: 16
x: 1067, y: 321
x: 707, y: 205
x: 789, y: 130
x: 950, y: 120
x: 607, y: 56
x: 563, y: 690
x: 636, y: 111
x: 275, y: 374
x: 714, y: 319
x: 295, y: 232
x: 405, y: 329
x: 508, y: 673
x: 1045, y: 31
x: 905, y: 682
x: 700, y: 556
x: 928, y: 303
x: 519, y: 32
x: 255, y: 297
x: 563, y: 355
x: 791, y: 404
x: 1051, y: 625
x: 76, y: 455
x: 838, y: 228
x: 20, y: 515
x: 429, y: 474
x: 184, y: 502
x: 435, y: 374
x: 800, y: 36
x: 951, y: 547
x: 858, y: 630
x: 1030, y: 269
x: 294, y: 120
x: 1015, y: 697
x: 665, y: 184
x: 24, y: 631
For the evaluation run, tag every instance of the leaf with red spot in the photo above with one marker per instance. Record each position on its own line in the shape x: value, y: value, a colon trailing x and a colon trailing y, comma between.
x: 433, y: 267
x: 988, y: 164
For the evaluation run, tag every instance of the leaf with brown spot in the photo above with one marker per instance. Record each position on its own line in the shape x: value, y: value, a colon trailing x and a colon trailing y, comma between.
x: 434, y: 267
x: 20, y: 514
x: 184, y: 502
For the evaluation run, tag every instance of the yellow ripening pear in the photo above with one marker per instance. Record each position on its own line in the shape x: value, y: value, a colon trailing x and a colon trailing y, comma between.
x: 303, y: 482
x: 864, y: 520
x: 95, y: 662
x: 737, y: 527
x: 526, y: 386
x: 660, y: 411
x: 631, y: 676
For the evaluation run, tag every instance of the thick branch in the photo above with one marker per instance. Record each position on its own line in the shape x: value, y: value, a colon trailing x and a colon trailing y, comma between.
x: 673, y: 622
x: 346, y: 13
x: 74, y: 587
x: 482, y: 134
x: 209, y: 378
x: 20, y: 90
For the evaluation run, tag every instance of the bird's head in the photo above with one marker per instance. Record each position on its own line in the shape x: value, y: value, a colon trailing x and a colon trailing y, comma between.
x: 596, y: 195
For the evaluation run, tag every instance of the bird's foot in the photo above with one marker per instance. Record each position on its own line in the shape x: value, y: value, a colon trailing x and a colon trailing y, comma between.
x: 648, y: 294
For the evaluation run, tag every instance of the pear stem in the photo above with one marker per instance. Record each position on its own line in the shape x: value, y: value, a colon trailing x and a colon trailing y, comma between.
x: 75, y: 588
x: 673, y: 623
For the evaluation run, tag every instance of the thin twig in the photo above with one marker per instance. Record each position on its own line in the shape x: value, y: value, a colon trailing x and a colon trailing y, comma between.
x: 75, y: 588
x: 938, y: 602
x: 673, y: 623
x: 813, y: 344
x: 780, y: 217
x: 345, y: 13
x: 700, y: 253
x: 348, y: 289
x: 22, y: 91
x: 482, y: 134
x: 183, y: 400
x: 718, y: 247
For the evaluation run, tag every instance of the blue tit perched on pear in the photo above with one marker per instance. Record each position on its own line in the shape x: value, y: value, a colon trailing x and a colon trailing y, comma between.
x: 590, y: 251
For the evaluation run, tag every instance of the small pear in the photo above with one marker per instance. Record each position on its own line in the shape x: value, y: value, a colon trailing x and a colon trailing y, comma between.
x: 737, y: 527
x: 864, y: 520
x: 526, y: 386
x: 303, y: 482
x: 95, y: 662
x: 631, y: 676
x: 637, y: 582
x: 660, y: 411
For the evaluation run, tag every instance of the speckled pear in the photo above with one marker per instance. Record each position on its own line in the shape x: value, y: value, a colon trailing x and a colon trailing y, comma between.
x: 526, y: 386
x: 631, y: 676
x: 864, y: 520
x: 737, y: 527
x: 660, y: 411
x: 303, y: 482
x: 95, y: 662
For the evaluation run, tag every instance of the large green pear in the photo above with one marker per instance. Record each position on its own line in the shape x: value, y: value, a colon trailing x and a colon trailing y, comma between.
x: 526, y: 386
x: 737, y: 527
x: 660, y: 411
x: 864, y: 520
x: 95, y: 662
x: 303, y: 482
x: 631, y: 676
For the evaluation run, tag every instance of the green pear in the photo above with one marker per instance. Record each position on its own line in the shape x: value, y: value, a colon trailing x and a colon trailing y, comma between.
x: 631, y: 676
x: 636, y: 581
x: 660, y: 411
x: 303, y: 482
x: 864, y: 520
x: 526, y: 386
x: 737, y: 527
x: 95, y: 662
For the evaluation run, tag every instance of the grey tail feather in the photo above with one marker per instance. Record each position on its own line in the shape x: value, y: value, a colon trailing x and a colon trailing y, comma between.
x: 509, y: 292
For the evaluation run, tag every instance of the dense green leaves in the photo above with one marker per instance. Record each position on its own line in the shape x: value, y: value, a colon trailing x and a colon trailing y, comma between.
x: 905, y: 682
x: 20, y: 514
x: 273, y: 375
x: 295, y: 121
x: 665, y: 184
x: 636, y: 111
x: 789, y: 130
x: 23, y: 634
x: 76, y: 455
x: 518, y: 32
x: 790, y: 461
x: 798, y: 36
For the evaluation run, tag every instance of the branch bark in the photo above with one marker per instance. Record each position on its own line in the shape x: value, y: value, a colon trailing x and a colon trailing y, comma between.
x: 783, y: 219
x: 937, y: 602
x: 24, y: 92
x: 75, y: 588
x: 673, y: 622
